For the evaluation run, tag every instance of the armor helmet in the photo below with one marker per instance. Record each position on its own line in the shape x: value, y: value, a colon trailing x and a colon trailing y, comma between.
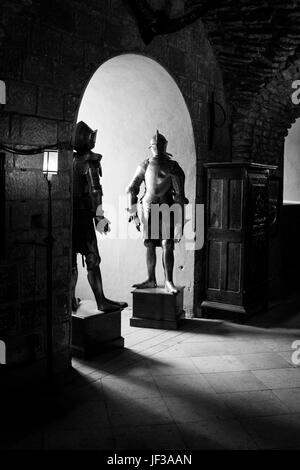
x: 160, y: 142
x: 85, y: 137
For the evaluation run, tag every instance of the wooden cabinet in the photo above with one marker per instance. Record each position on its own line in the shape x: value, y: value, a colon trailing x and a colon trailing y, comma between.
x: 237, y: 221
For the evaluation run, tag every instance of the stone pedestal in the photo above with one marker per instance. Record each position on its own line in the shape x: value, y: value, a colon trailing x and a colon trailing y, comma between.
x: 155, y: 308
x: 94, y: 332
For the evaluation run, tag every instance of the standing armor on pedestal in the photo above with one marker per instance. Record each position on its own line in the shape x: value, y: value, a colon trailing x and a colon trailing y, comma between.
x: 87, y: 202
x: 164, y: 190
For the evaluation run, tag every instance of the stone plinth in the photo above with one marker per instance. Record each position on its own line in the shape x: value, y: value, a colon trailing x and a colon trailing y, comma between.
x: 94, y: 332
x: 156, y: 308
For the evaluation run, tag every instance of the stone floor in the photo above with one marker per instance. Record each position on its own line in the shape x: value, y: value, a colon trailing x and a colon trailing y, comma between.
x: 210, y: 385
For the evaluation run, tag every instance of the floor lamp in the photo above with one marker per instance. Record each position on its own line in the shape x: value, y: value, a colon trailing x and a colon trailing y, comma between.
x: 50, y: 168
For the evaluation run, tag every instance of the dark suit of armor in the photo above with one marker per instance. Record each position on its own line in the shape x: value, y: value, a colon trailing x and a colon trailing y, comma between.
x: 87, y: 196
x: 164, y: 185
x: 87, y: 202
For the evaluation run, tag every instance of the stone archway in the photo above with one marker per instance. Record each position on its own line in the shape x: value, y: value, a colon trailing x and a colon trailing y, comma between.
x: 48, y: 58
x: 259, y: 131
x: 127, y: 99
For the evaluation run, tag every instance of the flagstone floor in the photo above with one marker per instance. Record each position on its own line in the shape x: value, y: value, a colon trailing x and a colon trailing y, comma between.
x: 209, y: 385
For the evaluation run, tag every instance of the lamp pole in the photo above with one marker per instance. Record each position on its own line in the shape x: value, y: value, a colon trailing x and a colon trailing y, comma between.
x: 50, y: 168
x: 49, y: 244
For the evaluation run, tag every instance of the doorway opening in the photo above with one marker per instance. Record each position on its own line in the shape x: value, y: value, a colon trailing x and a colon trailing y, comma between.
x: 2, y: 353
x: 127, y: 99
x: 291, y: 209
x: 291, y: 172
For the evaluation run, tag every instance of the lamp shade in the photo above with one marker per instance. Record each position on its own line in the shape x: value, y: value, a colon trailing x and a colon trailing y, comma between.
x: 50, y: 165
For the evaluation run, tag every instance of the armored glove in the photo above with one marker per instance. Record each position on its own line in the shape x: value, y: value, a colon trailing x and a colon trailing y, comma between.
x: 133, y: 217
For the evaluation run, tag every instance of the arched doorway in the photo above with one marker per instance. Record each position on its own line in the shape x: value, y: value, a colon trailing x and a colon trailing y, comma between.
x: 128, y: 98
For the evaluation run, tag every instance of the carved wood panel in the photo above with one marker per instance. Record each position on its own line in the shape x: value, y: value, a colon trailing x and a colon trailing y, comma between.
x: 216, y: 203
x: 235, y: 204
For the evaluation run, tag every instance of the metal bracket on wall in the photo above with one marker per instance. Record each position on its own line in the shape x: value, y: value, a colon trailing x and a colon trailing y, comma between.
x: 214, y: 123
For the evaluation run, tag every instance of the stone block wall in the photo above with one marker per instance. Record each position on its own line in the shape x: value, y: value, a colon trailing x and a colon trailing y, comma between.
x: 259, y: 130
x: 48, y: 52
x: 259, y: 133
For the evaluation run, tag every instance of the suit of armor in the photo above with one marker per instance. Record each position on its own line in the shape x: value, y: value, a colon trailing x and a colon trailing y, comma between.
x: 87, y: 196
x: 87, y: 202
x: 164, y: 185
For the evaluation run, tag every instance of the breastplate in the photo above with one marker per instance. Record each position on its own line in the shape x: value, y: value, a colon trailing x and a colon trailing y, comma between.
x: 158, y: 184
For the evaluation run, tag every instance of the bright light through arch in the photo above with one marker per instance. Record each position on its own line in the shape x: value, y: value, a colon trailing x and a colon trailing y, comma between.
x: 291, y: 186
x: 128, y: 98
x: 2, y: 352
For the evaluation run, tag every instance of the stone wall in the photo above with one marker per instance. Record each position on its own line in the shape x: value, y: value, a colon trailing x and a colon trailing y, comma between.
x: 258, y: 135
x: 258, y: 48
x: 260, y: 130
x: 48, y: 52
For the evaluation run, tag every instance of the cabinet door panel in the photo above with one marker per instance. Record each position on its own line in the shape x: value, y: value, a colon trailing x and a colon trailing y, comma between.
x: 234, y: 251
x: 215, y: 203
x: 214, y: 265
x: 235, y: 204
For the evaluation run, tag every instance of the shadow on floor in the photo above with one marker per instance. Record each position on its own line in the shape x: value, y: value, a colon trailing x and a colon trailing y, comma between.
x: 127, y: 399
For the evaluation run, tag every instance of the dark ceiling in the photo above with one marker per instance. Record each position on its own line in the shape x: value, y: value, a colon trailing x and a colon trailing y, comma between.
x: 253, y: 39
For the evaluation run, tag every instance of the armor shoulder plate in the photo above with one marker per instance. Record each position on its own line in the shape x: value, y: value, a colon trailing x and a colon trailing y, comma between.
x: 175, y: 168
x: 95, y: 156
x: 145, y: 164
x: 80, y: 167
